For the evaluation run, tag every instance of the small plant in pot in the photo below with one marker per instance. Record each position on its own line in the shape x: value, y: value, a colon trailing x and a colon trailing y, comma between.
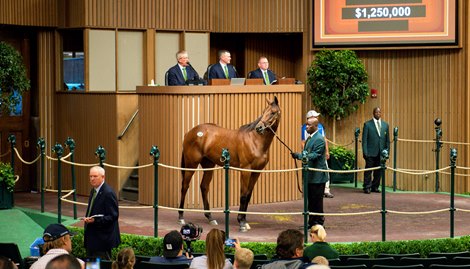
x: 341, y: 158
x: 7, y: 185
x: 7, y: 176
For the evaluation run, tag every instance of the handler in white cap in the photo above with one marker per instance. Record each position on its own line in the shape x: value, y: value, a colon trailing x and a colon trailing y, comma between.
x: 321, y: 130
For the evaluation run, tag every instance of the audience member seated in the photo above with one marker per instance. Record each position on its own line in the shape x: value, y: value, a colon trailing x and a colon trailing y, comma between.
x: 319, y: 246
x: 125, y: 259
x: 6, y: 263
x: 215, y: 256
x: 320, y: 260
x: 243, y: 257
x: 289, y: 251
x: 64, y: 261
x: 318, y: 266
x: 57, y: 241
x: 172, y: 250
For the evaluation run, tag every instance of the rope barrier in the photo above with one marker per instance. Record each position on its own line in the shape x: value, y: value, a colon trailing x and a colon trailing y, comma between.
x: 463, y: 168
x: 190, y: 210
x: 5, y: 154
x: 455, y: 143
x: 419, y: 173
x: 21, y: 159
x: 52, y: 190
x: 456, y: 174
x: 80, y: 164
x: 62, y: 159
x: 128, y: 167
x: 17, y: 178
x: 344, y: 171
x: 418, y: 213
x: 340, y: 145
x: 418, y: 141
x: 265, y: 171
x: 189, y: 169
x: 463, y: 210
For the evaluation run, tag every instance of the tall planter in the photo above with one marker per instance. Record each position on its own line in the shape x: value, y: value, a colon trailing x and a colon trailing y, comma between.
x: 341, y: 158
x: 6, y: 197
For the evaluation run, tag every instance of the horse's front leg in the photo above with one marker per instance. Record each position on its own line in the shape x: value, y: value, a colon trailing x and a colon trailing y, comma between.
x: 245, y: 197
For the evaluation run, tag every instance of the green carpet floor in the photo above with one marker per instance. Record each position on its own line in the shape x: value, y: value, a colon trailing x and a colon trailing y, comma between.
x: 22, y: 226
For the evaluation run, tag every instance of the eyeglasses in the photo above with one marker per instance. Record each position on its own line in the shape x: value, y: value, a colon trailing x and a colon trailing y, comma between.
x: 263, y: 62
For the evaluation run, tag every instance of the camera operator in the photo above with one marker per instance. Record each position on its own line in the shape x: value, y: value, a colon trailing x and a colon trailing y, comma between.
x: 172, y: 250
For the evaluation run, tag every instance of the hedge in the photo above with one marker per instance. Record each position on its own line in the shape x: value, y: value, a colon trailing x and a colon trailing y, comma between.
x: 151, y: 246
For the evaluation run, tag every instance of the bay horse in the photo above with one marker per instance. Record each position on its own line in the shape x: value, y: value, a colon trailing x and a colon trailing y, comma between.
x: 248, y: 147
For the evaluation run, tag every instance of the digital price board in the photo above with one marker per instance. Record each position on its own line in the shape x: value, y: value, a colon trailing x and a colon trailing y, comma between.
x: 384, y: 22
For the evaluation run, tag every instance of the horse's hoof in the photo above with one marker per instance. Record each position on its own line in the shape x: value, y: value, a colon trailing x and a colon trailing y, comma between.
x: 243, y: 229
x: 213, y: 222
x: 247, y: 226
x: 181, y: 222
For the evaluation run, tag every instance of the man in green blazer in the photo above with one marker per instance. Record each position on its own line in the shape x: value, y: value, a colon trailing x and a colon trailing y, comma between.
x: 375, y: 138
x: 315, y: 147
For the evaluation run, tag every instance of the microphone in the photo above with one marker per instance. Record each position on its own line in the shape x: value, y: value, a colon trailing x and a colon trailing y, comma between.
x: 236, y: 73
x: 197, y: 75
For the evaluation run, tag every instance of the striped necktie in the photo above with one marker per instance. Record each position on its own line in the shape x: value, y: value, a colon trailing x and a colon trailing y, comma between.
x: 185, y: 75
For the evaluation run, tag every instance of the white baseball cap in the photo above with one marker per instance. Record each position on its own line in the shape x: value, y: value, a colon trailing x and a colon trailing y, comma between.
x: 312, y: 113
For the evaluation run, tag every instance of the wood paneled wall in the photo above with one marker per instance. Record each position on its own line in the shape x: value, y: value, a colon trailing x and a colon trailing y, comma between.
x: 29, y: 12
x: 91, y: 120
x: 167, y: 113
x: 275, y: 16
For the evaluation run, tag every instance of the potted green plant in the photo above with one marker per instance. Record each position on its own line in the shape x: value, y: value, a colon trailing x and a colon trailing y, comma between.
x: 341, y: 158
x: 7, y: 185
x: 13, y: 78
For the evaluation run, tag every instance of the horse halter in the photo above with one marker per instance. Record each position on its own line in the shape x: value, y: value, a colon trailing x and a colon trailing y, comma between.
x: 261, y: 126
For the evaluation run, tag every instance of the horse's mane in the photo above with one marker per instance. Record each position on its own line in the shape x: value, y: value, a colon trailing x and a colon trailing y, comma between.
x: 250, y: 126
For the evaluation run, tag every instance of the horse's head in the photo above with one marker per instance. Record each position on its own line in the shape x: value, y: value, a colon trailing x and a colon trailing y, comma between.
x: 270, y: 117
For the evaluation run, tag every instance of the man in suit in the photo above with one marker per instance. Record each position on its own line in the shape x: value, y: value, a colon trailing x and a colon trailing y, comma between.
x: 263, y: 72
x: 375, y: 138
x: 182, y: 71
x: 315, y: 147
x: 222, y: 69
x: 101, y: 221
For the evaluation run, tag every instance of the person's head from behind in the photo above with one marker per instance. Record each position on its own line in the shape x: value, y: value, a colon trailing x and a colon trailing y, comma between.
x: 172, y: 244
x: 125, y: 259
x: 243, y: 258
x: 64, y: 261
x: 224, y: 56
x: 182, y: 57
x: 318, y: 233
x: 6, y: 263
x: 320, y: 260
x: 215, y: 249
x: 290, y: 244
x: 318, y: 266
x: 97, y: 175
x: 57, y: 236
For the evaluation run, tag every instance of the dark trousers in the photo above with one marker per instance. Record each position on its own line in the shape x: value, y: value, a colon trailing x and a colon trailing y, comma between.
x: 375, y: 183
x: 102, y: 254
x: 315, y: 203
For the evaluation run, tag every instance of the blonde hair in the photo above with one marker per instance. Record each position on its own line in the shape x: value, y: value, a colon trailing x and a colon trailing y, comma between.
x: 58, y: 243
x: 125, y: 259
x: 215, y: 249
x: 320, y: 260
x: 319, y: 231
x: 244, y: 258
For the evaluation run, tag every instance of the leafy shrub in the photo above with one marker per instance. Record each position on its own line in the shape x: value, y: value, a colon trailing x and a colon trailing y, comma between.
x: 150, y: 246
x: 344, y: 156
x: 7, y: 176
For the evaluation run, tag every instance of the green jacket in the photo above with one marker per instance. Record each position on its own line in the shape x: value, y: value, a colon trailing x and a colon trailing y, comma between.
x: 372, y: 143
x: 320, y: 249
x: 315, y: 147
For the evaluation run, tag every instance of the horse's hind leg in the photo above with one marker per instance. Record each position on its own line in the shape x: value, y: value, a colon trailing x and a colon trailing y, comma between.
x: 187, y: 176
x: 205, y: 186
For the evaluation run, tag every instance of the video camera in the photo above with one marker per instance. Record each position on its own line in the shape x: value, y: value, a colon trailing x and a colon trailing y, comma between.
x: 190, y: 232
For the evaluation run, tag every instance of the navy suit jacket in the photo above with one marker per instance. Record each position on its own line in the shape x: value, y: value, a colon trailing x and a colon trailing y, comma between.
x: 216, y: 71
x: 259, y: 74
x: 103, y: 234
x: 372, y: 143
x: 175, y: 75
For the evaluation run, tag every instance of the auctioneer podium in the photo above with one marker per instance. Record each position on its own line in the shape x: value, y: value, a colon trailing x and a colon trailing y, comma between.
x: 166, y: 113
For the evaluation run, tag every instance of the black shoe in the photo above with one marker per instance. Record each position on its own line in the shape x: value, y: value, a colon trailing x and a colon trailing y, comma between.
x: 367, y: 191
x: 328, y: 195
x: 376, y: 190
